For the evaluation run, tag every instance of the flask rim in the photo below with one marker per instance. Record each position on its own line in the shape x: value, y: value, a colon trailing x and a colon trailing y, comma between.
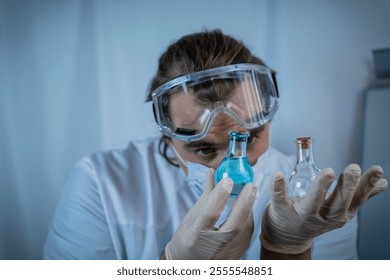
x: 238, y: 136
x: 305, y: 141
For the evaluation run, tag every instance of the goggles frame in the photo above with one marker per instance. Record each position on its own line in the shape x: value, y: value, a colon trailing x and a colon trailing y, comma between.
x: 204, y: 75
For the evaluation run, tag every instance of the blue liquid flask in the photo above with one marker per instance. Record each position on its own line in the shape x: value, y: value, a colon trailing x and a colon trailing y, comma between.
x: 236, y: 165
x: 305, y: 170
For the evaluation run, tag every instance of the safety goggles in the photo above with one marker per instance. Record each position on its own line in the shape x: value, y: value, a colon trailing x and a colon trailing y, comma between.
x: 186, y: 106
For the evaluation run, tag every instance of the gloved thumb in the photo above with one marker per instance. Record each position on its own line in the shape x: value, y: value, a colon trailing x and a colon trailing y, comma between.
x: 242, y: 209
x: 214, y: 205
x: 278, y: 190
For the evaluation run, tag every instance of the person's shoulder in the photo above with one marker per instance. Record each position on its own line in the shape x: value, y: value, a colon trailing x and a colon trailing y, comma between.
x: 136, y: 161
x: 144, y: 147
x: 280, y: 160
x: 280, y: 155
x: 136, y: 151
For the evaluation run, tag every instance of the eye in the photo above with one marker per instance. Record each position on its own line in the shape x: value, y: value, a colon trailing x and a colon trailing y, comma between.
x: 252, y: 138
x: 205, y: 152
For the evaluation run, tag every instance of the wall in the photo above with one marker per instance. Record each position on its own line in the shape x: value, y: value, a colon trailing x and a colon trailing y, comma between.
x: 73, y: 78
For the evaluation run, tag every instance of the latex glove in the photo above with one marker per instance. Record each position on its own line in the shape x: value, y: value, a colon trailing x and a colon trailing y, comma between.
x: 290, y: 224
x: 197, y: 237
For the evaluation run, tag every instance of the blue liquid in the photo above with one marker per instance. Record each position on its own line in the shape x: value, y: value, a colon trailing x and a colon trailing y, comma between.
x: 236, y: 168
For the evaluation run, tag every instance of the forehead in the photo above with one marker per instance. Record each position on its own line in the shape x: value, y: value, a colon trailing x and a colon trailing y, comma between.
x: 222, y: 124
x: 219, y: 131
x: 187, y: 107
x: 184, y: 109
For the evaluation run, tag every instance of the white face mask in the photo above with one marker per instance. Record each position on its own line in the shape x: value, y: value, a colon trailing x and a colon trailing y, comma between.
x: 196, y: 173
x: 196, y: 177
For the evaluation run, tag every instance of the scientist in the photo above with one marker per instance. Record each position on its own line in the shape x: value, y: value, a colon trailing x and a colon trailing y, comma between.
x: 156, y: 199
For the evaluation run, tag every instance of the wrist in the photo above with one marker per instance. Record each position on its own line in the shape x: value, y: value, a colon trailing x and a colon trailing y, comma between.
x: 277, y: 239
x: 272, y: 255
x: 283, y: 246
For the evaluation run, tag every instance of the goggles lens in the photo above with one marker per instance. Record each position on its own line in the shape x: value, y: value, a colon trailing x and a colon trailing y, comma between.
x: 185, y: 107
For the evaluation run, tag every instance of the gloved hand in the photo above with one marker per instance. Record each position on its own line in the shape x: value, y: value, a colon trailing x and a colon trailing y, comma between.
x: 290, y: 224
x: 197, y: 237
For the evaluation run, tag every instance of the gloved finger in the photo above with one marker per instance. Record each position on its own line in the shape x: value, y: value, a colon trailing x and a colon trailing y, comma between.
x: 314, y: 200
x: 380, y: 186
x: 209, y: 181
x: 237, y: 242
x: 193, y: 213
x: 250, y: 224
x: 338, y: 202
x: 214, y: 205
x: 368, y: 183
x: 278, y: 190
x: 242, y: 208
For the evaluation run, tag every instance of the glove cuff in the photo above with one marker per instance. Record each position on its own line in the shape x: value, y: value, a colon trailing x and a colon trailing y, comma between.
x: 289, y: 249
x: 169, y: 255
x: 275, y: 238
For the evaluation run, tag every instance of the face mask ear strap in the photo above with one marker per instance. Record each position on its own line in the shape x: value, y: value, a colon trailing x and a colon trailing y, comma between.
x: 273, y: 76
x: 163, y: 147
x: 178, y: 156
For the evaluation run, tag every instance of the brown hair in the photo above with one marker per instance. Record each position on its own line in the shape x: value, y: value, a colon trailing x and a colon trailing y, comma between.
x: 200, y: 51
x: 196, y: 52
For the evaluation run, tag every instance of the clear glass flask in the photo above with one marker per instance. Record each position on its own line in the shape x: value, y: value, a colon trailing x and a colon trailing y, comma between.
x: 305, y: 170
x: 236, y: 165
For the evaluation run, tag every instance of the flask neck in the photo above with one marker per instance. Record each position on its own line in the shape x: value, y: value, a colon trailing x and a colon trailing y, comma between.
x: 305, y: 170
x: 237, y: 144
x: 305, y: 150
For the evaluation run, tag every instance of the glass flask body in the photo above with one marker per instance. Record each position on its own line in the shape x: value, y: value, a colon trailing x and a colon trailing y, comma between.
x: 235, y: 164
x: 305, y: 170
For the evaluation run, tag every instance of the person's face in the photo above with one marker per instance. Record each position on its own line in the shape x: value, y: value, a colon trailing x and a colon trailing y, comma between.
x: 185, y: 111
x: 210, y: 150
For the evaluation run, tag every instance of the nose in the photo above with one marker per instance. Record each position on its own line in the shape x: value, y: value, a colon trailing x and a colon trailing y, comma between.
x: 240, y: 129
x: 217, y: 160
x: 236, y: 127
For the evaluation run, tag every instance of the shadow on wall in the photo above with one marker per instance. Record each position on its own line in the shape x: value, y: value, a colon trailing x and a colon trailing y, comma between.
x: 374, y: 227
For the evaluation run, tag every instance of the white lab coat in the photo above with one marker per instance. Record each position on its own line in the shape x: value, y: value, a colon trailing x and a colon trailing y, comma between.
x: 127, y: 204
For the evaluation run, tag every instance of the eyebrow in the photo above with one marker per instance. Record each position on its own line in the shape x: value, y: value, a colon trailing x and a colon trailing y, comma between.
x: 202, y: 143
x: 198, y: 144
x: 257, y: 130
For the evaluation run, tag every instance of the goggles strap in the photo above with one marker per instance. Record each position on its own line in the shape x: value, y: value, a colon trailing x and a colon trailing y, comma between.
x: 273, y: 76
